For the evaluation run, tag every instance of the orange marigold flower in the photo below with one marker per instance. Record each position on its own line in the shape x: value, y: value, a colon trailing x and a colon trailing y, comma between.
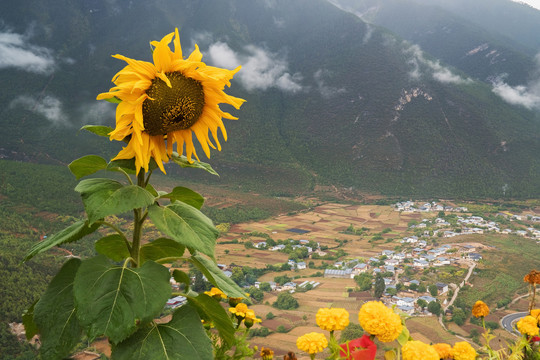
x: 378, y: 320
x: 417, y: 350
x: 480, y: 309
x: 266, y: 353
x: 444, y: 350
x: 312, y: 343
x: 528, y: 326
x: 331, y: 319
x: 464, y: 351
x: 533, y: 277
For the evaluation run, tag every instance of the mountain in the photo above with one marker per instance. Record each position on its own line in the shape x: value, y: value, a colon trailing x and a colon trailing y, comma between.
x: 331, y: 99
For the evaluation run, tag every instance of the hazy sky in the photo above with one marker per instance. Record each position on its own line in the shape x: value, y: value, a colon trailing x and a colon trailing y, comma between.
x: 533, y: 3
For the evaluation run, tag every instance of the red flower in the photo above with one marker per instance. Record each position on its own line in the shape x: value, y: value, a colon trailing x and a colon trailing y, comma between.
x: 534, y: 339
x: 359, y: 349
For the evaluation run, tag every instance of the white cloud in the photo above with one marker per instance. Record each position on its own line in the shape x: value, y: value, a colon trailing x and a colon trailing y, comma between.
x: 261, y: 69
x: 97, y: 113
x: 17, y: 52
x: 438, y: 72
x: 325, y: 90
x: 48, y: 106
x: 525, y: 95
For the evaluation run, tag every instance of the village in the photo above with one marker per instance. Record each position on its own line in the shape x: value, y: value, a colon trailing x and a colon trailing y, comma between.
x: 408, y: 268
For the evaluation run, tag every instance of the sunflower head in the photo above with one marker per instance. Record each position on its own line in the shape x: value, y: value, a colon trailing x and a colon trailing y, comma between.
x: 162, y: 104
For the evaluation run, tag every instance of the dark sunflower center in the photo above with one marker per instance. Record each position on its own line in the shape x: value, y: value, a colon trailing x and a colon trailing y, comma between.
x: 173, y: 108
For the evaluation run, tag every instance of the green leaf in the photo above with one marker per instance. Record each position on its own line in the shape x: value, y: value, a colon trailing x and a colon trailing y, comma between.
x: 151, y: 190
x: 112, y: 300
x: 55, y: 314
x: 183, y: 162
x: 98, y: 129
x: 72, y: 233
x: 210, y: 309
x: 185, y: 195
x: 404, y: 336
x: 87, y: 165
x: 181, y: 277
x: 113, y: 246
x: 102, y: 197
x: 30, y: 327
x: 183, y: 338
x: 216, y: 276
x: 186, y: 225
x: 161, y: 248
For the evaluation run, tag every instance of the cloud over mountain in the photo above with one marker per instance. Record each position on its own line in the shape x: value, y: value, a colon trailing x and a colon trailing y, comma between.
x: 17, y: 52
x: 261, y: 69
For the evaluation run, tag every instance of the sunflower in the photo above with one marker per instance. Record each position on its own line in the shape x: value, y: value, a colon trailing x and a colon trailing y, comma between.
x: 165, y: 102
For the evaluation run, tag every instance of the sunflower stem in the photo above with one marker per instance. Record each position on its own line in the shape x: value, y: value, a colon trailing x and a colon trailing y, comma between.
x: 138, y: 221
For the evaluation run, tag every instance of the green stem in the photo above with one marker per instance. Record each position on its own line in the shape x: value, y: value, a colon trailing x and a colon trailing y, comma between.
x: 126, y: 175
x: 138, y: 220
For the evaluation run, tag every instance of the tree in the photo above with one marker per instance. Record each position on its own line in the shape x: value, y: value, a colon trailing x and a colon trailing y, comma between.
x: 285, y: 301
x: 256, y: 294
x: 392, y: 291
x: 433, y: 290
x: 238, y: 276
x: 264, y: 286
x: 351, y: 332
x: 459, y: 316
x: 434, y: 307
x: 413, y: 286
x: 422, y: 288
x: 379, y: 286
x: 422, y: 303
x: 270, y: 316
x: 364, y: 281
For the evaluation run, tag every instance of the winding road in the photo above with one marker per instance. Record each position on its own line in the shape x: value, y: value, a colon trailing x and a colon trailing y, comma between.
x: 508, y: 321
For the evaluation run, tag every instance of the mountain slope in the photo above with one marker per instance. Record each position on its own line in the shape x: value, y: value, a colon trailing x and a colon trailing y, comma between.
x: 330, y: 99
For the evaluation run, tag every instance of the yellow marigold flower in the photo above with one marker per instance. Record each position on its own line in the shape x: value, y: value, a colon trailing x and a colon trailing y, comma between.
x: 417, y: 350
x: 536, y: 314
x: 331, y: 319
x: 480, y: 309
x: 165, y: 102
x: 528, y: 325
x: 216, y: 293
x: 464, y: 351
x: 239, y: 310
x: 378, y: 320
x: 444, y: 350
x: 312, y: 343
x: 266, y: 353
x: 233, y: 301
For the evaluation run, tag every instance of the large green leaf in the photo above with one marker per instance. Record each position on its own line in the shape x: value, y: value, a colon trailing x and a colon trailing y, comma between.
x: 112, y: 300
x: 102, y: 197
x: 183, y: 162
x: 72, y: 233
x: 55, y: 314
x: 161, y: 248
x: 87, y: 165
x: 98, y: 129
x: 113, y: 246
x: 210, y: 309
x: 183, y: 338
x: 216, y: 276
x: 185, y: 195
x: 186, y: 225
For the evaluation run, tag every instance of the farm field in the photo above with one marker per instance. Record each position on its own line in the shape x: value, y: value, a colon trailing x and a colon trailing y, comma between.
x: 327, y: 224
